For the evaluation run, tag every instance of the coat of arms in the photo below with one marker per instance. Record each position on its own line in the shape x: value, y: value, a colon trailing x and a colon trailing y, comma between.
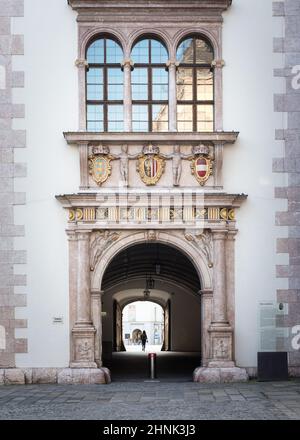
x: 202, y: 164
x: 99, y: 164
x: 150, y: 165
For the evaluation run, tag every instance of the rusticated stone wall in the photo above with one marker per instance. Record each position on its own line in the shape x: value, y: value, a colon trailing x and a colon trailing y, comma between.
x: 11, y: 139
x: 289, y: 164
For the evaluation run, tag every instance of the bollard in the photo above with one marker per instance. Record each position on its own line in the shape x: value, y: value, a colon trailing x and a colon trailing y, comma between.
x: 152, y: 365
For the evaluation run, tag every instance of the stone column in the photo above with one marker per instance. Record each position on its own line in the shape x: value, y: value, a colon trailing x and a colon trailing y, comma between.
x: 206, y: 317
x: 73, y: 248
x: 172, y: 66
x: 218, y: 66
x: 82, y: 66
x: 97, y: 322
x: 127, y: 67
x: 220, y: 330
x: 218, y: 175
x: 230, y: 280
x: 83, y: 331
x: 84, y: 166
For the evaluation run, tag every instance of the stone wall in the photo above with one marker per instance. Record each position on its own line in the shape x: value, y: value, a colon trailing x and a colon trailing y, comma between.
x: 289, y: 164
x: 11, y: 138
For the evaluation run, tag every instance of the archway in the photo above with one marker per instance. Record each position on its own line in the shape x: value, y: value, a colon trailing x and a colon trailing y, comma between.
x: 149, y: 317
x: 165, y: 275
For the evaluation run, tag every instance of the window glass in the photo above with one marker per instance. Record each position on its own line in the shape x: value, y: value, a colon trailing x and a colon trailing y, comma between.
x: 204, y: 52
x: 115, y: 118
x: 140, y: 118
x: 160, y: 117
x: 185, y: 117
x: 184, y: 84
x: 185, y: 51
x: 160, y: 84
x: 139, y: 79
x: 95, y: 84
x: 140, y: 52
x: 95, y: 117
x: 205, y: 88
x: 95, y: 53
x: 115, y: 84
x: 205, y: 118
x: 159, y: 54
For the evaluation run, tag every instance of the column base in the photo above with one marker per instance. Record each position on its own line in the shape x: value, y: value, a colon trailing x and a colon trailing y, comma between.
x: 84, y: 376
x: 228, y: 374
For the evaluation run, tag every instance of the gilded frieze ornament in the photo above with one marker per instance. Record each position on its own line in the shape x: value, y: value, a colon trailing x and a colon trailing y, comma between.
x: 202, y: 163
x: 150, y: 165
x: 99, y: 164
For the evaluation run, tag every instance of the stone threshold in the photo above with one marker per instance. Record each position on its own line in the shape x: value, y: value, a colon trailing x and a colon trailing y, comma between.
x: 71, y: 376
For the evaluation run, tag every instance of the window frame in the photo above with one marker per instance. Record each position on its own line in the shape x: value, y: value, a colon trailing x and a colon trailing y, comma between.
x: 195, y: 67
x: 105, y: 67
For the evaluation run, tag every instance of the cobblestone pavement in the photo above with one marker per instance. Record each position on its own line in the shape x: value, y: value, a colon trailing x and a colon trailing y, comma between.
x: 152, y: 401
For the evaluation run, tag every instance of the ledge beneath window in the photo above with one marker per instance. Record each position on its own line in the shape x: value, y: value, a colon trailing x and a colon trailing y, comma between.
x: 170, y: 138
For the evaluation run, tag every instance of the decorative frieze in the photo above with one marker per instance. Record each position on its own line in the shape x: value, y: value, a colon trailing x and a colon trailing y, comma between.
x: 117, y: 214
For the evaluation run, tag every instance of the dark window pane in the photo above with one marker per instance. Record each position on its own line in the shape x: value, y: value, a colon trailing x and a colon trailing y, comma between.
x: 184, y: 84
x: 204, y: 52
x: 140, y: 52
x: 205, y: 91
x: 114, y: 53
x: 205, y: 118
x: 95, y: 53
x: 160, y: 117
x: 159, y: 54
x: 185, y: 51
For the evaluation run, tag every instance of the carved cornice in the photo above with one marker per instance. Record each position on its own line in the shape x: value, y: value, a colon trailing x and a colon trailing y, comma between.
x: 162, y: 10
x: 85, y: 137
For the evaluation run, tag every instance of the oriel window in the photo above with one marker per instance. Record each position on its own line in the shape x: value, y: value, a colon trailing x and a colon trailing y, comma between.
x: 149, y: 81
x: 195, y: 86
x: 104, y: 86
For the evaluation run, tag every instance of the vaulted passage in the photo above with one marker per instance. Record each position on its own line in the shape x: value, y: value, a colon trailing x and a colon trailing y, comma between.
x: 163, y: 275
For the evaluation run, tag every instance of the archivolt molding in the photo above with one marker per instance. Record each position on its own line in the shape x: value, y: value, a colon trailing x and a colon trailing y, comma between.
x: 212, y: 34
x: 98, y: 30
x: 163, y: 36
x: 174, y: 239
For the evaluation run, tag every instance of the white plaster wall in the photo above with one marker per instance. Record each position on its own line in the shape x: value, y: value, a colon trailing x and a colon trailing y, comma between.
x: 51, y: 97
x: 248, y: 107
x: 53, y: 167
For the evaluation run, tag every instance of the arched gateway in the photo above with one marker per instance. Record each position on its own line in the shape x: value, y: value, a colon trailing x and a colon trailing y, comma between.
x: 151, y: 153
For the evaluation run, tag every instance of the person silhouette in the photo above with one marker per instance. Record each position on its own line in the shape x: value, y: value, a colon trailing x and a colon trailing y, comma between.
x: 144, y: 340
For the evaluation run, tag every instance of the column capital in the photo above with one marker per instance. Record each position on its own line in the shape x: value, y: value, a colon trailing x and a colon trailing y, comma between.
x: 219, y: 234
x: 127, y: 62
x: 80, y: 63
x: 205, y: 292
x: 71, y: 233
x: 218, y: 64
x: 83, y: 235
x: 172, y: 63
x: 232, y: 234
x: 97, y: 292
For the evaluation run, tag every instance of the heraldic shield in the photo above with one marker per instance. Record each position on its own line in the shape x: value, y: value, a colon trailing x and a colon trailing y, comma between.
x: 100, y: 168
x: 201, y: 168
x: 151, y: 168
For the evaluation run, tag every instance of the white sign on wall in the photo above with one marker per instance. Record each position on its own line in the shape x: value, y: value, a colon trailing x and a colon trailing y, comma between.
x: 272, y: 337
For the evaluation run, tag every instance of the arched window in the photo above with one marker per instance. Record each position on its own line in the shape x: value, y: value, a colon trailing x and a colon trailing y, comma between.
x: 195, y: 86
x: 149, y: 81
x: 104, y: 80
